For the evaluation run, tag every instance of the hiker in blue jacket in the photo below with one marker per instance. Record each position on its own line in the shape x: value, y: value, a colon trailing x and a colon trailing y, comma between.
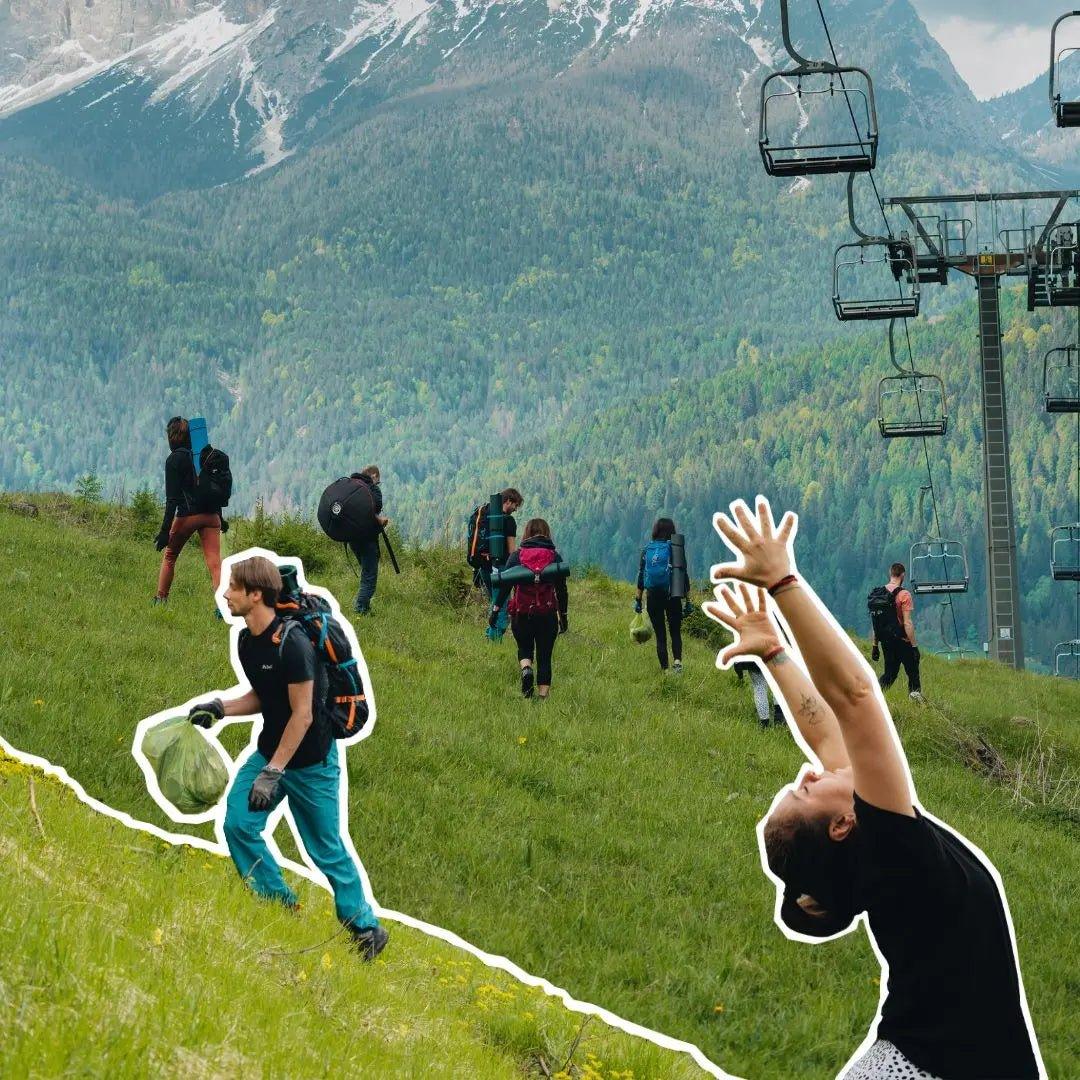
x: 654, y: 581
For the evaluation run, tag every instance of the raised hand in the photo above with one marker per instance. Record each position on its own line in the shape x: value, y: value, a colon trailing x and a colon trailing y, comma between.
x: 762, y: 547
x: 749, y: 619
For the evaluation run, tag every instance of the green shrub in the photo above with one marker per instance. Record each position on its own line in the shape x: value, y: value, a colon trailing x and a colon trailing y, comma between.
x: 88, y: 488
x: 292, y: 536
x: 447, y: 580
x: 145, y: 513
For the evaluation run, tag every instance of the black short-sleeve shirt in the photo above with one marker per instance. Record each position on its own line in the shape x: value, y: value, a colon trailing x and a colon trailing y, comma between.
x: 509, y: 526
x: 271, y: 661
x: 954, y: 1004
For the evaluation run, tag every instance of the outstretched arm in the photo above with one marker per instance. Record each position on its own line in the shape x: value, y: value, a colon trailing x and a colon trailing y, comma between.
x: 836, y: 667
x: 756, y: 636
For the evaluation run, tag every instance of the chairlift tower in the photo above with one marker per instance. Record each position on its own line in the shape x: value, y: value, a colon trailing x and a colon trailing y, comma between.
x: 1011, y: 253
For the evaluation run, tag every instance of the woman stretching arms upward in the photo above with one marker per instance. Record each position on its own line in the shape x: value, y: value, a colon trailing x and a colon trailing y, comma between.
x: 850, y: 839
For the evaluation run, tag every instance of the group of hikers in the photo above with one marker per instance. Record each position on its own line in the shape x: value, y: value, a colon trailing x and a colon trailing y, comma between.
x: 534, y: 610
x: 845, y: 841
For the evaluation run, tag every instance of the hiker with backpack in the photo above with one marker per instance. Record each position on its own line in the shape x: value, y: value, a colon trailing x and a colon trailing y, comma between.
x: 478, y: 549
x: 193, y: 502
x: 893, y: 632
x: 666, y: 599
x: 759, y: 686
x: 537, y: 608
x: 304, y: 681
x: 367, y: 549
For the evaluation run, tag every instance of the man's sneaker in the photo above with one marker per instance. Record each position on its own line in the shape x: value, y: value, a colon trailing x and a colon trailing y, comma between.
x: 362, y: 610
x: 527, y: 682
x: 916, y: 695
x: 370, y: 941
x: 676, y: 668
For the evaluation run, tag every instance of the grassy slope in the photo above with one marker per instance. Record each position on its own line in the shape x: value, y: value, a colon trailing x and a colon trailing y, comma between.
x: 605, y: 839
x: 124, y: 956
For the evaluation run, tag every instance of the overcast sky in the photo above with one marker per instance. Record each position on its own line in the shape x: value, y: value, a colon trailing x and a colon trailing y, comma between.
x: 997, y: 45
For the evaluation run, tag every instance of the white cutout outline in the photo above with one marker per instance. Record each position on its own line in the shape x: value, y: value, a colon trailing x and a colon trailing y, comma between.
x: 218, y: 846
x: 796, y: 656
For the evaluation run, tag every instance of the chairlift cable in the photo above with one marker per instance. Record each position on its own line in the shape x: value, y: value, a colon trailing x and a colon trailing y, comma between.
x: 851, y: 113
x: 907, y: 337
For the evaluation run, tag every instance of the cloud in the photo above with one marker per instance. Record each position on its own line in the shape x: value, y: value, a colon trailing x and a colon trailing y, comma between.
x: 999, y: 13
x: 994, y: 57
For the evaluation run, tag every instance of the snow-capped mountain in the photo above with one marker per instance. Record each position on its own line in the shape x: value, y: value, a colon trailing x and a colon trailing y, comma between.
x: 1026, y: 124
x: 189, y: 94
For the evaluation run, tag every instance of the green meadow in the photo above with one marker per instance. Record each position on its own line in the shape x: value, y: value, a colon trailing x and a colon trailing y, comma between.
x: 603, y: 840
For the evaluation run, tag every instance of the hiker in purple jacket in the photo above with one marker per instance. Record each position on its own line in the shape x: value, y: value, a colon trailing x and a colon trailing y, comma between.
x: 537, y: 610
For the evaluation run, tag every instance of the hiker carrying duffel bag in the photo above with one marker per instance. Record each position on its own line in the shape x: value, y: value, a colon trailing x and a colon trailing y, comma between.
x: 344, y: 703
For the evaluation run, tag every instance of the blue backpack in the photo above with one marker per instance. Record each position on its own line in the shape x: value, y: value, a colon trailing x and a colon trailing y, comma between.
x: 658, y: 564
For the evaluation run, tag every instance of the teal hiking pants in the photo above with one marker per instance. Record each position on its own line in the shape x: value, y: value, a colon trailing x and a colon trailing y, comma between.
x: 313, y: 799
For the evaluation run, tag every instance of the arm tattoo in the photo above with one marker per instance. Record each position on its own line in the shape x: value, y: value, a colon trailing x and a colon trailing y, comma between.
x: 808, y: 707
x: 778, y: 659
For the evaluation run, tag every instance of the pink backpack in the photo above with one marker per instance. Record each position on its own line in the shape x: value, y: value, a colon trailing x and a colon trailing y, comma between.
x: 537, y: 597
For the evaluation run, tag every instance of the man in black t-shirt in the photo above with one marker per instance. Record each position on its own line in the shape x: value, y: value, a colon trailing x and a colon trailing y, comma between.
x: 296, y: 757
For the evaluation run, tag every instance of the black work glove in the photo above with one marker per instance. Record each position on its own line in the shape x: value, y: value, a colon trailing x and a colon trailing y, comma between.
x: 206, y: 713
x: 562, y: 622
x: 162, y: 539
x: 263, y: 793
x: 875, y: 654
x: 224, y: 523
x: 493, y: 618
x: 637, y: 606
x: 687, y: 607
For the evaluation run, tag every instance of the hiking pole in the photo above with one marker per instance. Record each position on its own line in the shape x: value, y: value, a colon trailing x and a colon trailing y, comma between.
x: 390, y: 552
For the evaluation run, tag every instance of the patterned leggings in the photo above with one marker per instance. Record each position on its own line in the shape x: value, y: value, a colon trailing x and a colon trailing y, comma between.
x: 884, y: 1062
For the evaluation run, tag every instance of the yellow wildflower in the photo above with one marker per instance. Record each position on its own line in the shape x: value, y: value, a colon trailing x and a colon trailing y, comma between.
x: 718, y: 1007
x: 327, y: 961
x: 522, y: 740
x: 159, y: 935
x: 39, y: 701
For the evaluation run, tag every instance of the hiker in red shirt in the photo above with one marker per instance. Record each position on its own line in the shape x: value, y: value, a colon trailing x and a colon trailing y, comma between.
x: 893, y: 631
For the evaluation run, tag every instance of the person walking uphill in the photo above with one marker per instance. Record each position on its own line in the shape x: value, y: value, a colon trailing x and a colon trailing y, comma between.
x: 184, y: 516
x: 654, y: 580
x: 367, y: 551
x: 296, y: 757
x: 538, y: 610
x: 893, y: 629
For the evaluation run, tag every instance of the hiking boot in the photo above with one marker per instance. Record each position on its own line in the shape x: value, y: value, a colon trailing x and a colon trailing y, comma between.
x: 778, y: 715
x: 916, y: 695
x: 676, y: 668
x: 527, y: 682
x: 362, y: 610
x: 158, y: 600
x: 370, y: 941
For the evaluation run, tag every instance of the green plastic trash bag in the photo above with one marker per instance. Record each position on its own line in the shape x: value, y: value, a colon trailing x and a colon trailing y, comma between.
x: 189, y: 770
x: 158, y: 739
x: 640, y: 630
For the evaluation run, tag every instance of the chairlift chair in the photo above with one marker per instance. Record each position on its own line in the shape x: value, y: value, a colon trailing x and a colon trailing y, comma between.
x: 1054, y: 269
x: 912, y: 406
x: 790, y: 158
x: 1061, y: 380
x: 938, y: 566
x: 1067, y: 659
x: 1065, y: 552
x: 1066, y: 113
x: 896, y: 256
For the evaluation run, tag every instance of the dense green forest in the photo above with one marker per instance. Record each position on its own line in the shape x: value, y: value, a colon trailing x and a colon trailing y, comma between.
x: 585, y: 286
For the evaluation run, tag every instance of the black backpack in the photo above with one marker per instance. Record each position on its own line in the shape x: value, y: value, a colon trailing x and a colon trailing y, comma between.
x: 212, y: 487
x: 881, y: 604
x: 477, y: 542
x: 347, y: 511
x: 344, y: 703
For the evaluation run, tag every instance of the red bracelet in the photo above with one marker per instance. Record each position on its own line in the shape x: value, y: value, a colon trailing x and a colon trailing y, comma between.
x: 789, y: 580
x: 772, y: 654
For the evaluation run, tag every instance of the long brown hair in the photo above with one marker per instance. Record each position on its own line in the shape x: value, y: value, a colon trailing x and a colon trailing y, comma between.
x: 178, y: 433
x: 536, y: 527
